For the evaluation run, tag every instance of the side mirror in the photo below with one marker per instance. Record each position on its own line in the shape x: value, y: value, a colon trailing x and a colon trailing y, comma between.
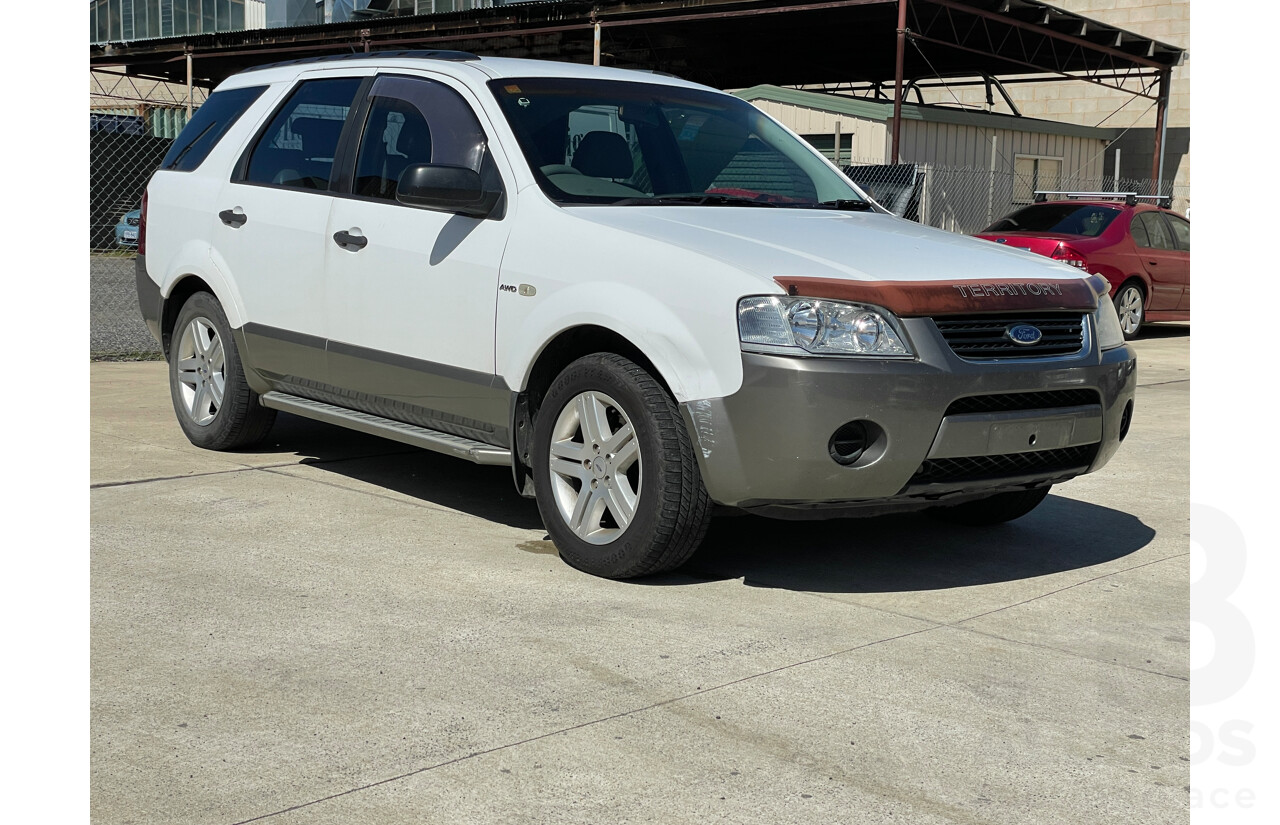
x: 447, y: 189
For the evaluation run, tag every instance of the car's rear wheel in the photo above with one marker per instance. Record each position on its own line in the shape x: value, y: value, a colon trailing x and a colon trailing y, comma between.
x: 1129, y: 303
x: 616, y: 479
x: 215, y: 406
x: 995, y: 509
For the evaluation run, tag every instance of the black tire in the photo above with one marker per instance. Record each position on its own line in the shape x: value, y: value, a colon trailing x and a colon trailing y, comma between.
x: 996, y: 509
x: 236, y: 419
x: 671, y: 508
x: 1131, y: 303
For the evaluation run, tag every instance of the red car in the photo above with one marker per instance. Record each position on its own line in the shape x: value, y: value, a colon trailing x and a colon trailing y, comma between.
x: 1144, y: 251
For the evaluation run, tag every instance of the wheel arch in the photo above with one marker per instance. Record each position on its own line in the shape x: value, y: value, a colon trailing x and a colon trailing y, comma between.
x: 193, y: 268
x: 573, y: 343
x: 179, y: 293
x: 1141, y: 281
x: 557, y: 353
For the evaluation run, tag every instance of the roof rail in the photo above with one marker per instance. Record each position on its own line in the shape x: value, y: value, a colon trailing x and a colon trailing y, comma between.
x: 1130, y: 198
x: 420, y: 54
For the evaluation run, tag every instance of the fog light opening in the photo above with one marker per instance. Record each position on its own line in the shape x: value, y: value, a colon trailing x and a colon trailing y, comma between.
x: 849, y: 442
x: 1126, y: 418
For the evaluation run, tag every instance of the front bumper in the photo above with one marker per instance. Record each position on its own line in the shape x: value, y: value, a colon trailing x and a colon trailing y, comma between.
x: 768, y: 445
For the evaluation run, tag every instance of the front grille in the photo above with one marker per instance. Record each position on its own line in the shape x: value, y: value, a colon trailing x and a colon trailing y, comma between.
x: 132, y: 221
x: 1014, y: 401
x: 982, y: 337
x: 985, y: 467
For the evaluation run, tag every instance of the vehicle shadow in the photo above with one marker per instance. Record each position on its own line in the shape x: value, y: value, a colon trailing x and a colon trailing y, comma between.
x: 910, y: 552
x: 484, y: 492
x: 871, y: 555
x: 1158, y: 330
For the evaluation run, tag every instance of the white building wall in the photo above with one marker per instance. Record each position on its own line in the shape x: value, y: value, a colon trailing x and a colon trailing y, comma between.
x: 255, y: 14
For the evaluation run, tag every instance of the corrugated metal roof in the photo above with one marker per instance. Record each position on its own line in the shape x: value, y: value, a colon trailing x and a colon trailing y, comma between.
x: 883, y: 111
x: 723, y: 43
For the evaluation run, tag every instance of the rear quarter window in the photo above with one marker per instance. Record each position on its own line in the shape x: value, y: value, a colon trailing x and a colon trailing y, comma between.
x: 210, y: 122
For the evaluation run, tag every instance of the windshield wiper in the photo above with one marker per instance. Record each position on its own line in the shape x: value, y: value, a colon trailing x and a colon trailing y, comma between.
x: 691, y: 200
x: 849, y: 204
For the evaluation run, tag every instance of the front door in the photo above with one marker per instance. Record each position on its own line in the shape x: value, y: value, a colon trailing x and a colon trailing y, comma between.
x: 410, y: 293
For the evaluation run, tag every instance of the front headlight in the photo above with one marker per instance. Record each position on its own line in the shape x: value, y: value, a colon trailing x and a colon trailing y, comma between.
x: 1107, y: 324
x: 787, y: 325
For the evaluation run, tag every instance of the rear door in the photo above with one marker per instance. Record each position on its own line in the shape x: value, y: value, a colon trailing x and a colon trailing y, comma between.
x: 410, y: 293
x: 1165, y: 265
x: 270, y: 225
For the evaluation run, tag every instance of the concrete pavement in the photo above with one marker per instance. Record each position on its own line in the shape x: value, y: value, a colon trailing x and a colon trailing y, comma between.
x: 333, y: 628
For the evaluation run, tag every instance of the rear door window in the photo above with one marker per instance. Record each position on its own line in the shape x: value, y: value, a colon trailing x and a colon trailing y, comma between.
x: 297, y: 148
x: 207, y: 126
x: 1156, y: 234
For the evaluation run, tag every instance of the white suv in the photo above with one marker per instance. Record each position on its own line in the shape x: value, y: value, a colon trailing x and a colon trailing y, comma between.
x: 643, y: 295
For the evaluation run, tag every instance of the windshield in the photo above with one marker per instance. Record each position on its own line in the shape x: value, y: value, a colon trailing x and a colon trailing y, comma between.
x: 1064, y: 218
x: 623, y: 143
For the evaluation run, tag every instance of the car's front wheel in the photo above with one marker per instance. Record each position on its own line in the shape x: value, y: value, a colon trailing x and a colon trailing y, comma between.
x: 616, y: 479
x: 1129, y: 302
x: 215, y: 406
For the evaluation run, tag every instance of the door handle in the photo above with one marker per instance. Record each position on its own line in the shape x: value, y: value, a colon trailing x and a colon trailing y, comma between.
x: 346, y: 240
x: 234, y: 218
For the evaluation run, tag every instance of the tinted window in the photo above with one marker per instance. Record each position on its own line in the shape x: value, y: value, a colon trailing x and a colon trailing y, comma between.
x: 1139, y: 232
x: 412, y: 121
x: 1066, y: 218
x: 1157, y: 234
x: 1181, y: 231
x: 297, y: 148
x: 210, y: 122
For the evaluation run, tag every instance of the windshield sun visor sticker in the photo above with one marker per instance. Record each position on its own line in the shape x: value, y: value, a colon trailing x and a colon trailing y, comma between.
x: 691, y: 126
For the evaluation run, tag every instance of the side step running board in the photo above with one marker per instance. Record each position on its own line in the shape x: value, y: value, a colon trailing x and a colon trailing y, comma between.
x: 455, y: 445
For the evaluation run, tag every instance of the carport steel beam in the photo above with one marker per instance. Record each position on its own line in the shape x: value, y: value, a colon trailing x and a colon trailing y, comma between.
x: 663, y: 17
x: 950, y: 25
x: 1009, y: 20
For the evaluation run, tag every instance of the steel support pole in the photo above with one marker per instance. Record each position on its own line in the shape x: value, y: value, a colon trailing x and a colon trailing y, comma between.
x: 595, y: 60
x: 1162, y: 124
x: 189, y: 85
x: 897, y: 80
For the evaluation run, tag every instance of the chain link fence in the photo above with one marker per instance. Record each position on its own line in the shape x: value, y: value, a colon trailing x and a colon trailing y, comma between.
x: 969, y: 200
x: 133, y: 122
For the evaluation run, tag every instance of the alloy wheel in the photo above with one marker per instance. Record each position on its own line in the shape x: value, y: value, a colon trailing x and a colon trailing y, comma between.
x: 595, y: 467
x: 202, y: 374
x: 1130, y: 309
